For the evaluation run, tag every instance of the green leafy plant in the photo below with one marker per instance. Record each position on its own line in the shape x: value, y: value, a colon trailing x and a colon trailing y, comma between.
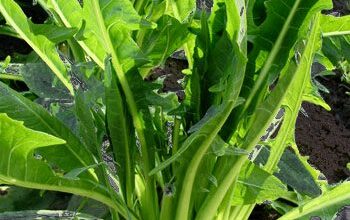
x: 202, y: 158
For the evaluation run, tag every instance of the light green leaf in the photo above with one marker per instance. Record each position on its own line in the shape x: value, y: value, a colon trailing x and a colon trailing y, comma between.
x: 158, y: 44
x: 17, y: 147
x: 278, y: 34
x: 40, y: 44
x: 324, y: 206
x: 332, y: 26
x: 71, y: 15
x: 266, y: 111
x: 67, y: 157
x: 17, y: 144
x: 74, y: 174
x: 121, y: 13
x: 181, y: 9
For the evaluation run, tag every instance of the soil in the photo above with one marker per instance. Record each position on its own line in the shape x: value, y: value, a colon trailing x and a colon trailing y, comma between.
x: 325, y: 136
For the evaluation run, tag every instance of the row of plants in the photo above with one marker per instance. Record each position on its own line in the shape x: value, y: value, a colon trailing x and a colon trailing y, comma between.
x: 92, y: 126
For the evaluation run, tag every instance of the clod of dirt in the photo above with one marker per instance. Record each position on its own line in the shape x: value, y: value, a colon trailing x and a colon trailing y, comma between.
x: 264, y: 212
x: 172, y: 73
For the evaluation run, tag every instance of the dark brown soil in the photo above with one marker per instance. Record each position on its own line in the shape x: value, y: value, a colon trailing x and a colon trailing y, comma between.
x: 325, y: 136
x: 325, y: 141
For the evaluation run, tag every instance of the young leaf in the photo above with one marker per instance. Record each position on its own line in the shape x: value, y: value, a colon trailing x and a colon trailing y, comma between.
x: 203, y: 138
x: 118, y: 43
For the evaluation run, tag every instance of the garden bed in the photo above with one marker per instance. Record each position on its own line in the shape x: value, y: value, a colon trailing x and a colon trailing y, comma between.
x: 321, y: 135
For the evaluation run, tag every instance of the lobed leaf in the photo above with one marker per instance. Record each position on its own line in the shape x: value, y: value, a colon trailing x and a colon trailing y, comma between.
x: 67, y: 157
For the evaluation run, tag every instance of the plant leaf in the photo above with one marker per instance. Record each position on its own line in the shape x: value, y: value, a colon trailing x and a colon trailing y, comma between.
x: 40, y: 44
x: 292, y: 172
x: 40, y: 80
x: 55, y: 34
x: 120, y: 131
x: 71, y: 15
x: 182, y: 9
x: 158, y: 44
x: 45, y: 214
x: 72, y: 155
x: 254, y: 185
x: 87, y: 128
x: 332, y: 26
x: 17, y: 147
x: 324, y: 206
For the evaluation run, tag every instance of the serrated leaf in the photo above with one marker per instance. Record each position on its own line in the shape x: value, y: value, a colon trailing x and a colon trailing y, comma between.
x: 36, y: 117
x: 292, y: 172
x: 17, y: 147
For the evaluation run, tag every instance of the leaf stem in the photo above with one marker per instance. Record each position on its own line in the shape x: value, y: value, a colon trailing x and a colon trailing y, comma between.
x: 137, y: 120
x: 11, y: 77
x: 75, y: 190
